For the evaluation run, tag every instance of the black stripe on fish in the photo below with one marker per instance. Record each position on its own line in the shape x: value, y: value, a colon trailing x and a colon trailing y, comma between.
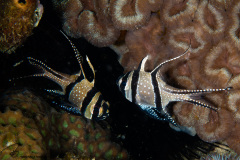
x: 156, y: 91
x: 70, y: 87
x: 124, y: 82
x: 135, y: 78
x: 134, y: 84
x: 88, y: 99
x: 97, y: 106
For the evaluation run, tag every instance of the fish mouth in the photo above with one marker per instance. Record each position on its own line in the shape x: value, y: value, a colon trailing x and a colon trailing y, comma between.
x: 102, y: 111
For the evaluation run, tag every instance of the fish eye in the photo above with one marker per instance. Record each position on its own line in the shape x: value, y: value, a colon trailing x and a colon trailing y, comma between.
x: 119, y: 80
x: 123, y: 83
x: 122, y: 80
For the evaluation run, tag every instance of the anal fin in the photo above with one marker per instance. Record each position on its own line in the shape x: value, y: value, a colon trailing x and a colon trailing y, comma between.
x: 68, y: 108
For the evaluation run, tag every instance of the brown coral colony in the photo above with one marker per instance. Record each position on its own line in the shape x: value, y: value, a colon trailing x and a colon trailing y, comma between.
x: 29, y: 129
x: 163, y: 30
x: 18, y: 18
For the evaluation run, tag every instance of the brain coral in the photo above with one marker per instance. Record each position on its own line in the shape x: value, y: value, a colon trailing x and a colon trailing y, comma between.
x: 89, y: 19
x: 164, y: 29
x: 18, y: 18
x: 33, y: 128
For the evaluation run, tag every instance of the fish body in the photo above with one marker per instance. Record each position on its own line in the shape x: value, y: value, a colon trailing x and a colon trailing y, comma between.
x: 81, y: 95
x: 152, y: 94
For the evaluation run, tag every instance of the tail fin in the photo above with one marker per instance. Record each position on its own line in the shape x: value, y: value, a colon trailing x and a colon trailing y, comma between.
x: 196, y: 91
x: 60, y: 78
x: 196, y: 97
x: 46, y: 71
x: 199, y: 101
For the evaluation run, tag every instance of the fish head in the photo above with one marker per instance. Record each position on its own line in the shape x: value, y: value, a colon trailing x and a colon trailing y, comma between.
x: 124, y: 84
x: 103, y: 110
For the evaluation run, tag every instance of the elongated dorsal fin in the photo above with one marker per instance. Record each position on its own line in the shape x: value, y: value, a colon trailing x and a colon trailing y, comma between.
x: 77, y: 54
x: 91, y: 66
x: 142, y: 64
x: 161, y: 64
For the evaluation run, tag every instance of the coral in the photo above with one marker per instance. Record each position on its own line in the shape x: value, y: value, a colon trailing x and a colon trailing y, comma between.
x: 56, y: 133
x: 100, y: 21
x: 19, y: 136
x: 143, y: 36
x: 85, y: 137
x: 89, y: 19
x: 27, y: 102
x: 209, y: 28
x: 18, y: 18
x: 127, y: 15
x: 213, y: 63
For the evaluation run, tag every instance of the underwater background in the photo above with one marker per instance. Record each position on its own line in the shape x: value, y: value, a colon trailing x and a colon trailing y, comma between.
x: 31, y: 126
